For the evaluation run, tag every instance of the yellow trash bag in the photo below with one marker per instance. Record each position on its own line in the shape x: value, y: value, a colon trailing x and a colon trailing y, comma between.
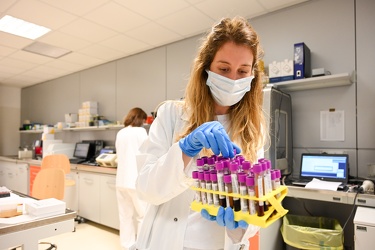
x: 312, y: 233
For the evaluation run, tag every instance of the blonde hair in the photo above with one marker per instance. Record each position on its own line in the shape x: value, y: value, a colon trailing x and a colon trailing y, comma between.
x: 246, y: 116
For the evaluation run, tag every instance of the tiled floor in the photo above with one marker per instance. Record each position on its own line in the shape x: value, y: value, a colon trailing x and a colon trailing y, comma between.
x: 88, y: 236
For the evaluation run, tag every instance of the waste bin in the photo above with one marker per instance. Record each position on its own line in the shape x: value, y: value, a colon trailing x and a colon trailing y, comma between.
x: 312, y: 233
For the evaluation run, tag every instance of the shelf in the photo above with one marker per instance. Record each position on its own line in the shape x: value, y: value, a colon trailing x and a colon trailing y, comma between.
x: 109, y: 127
x: 315, y: 82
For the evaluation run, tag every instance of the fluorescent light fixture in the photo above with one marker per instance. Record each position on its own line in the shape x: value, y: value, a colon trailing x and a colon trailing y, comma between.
x: 22, y: 28
x: 46, y: 50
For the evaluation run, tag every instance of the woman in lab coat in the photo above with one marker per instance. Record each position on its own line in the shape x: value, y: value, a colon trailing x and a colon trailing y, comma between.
x: 223, y: 104
x: 131, y: 208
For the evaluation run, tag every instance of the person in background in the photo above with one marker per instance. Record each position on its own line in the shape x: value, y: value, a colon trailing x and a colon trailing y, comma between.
x: 131, y: 209
x: 221, y: 113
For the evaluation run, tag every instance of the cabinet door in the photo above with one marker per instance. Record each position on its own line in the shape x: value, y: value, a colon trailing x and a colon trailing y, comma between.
x: 22, y: 178
x: 89, y: 196
x: 108, y: 202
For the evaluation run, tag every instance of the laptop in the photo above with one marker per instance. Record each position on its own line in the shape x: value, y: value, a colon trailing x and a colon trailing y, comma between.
x: 326, y: 167
x: 82, y: 152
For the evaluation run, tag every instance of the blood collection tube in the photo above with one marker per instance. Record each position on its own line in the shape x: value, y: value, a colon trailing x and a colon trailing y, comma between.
x: 207, y: 179
x: 277, y: 180
x: 265, y: 182
x: 203, y: 186
x: 243, y: 192
x: 233, y: 167
x: 246, y: 165
x: 258, y: 182
x: 200, y: 164
x: 197, y: 196
x: 251, y: 193
x: 228, y: 190
x: 215, y: 187
x: 210, y: 163
x: 219, y: 165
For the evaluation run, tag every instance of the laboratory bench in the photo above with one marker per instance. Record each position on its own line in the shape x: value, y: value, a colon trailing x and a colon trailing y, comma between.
x: 93, y: 195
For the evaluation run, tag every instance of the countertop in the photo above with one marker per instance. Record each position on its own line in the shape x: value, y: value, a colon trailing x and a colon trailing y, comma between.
x: 77, y: 167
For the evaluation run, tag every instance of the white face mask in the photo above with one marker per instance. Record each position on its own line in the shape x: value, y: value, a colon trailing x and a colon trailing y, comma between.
x: 225, y: 91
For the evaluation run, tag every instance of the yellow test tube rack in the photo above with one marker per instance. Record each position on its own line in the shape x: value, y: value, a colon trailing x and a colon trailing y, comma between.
x: 275, y: 209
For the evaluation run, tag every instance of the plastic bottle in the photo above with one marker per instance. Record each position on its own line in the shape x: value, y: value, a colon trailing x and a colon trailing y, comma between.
x: 197, y: 196
x: 233, y: 167
x: 203, y: 186
x: 243, y: 191
x: 219, y: 165
x: 207, y: 179
x: 215, y: 187
x: 228, y: 190
x: 258, y: 186
x: 251, y: 193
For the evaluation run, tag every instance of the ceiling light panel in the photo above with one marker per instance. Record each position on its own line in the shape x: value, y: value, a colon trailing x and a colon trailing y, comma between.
x: 22, y: 28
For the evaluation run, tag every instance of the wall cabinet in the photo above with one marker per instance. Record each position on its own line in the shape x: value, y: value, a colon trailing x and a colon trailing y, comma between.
x: 97, y: 198
x: 15, y: 176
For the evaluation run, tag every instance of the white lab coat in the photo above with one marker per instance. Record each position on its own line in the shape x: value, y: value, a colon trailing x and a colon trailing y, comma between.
x: 128, y: 141
x: 163, y: 183
x: 131, y: 208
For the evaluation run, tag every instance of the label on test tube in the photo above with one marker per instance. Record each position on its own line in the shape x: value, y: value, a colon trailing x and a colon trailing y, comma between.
x: 251, y: 193
x: 197, y: 196
x: 203, y: 186
x: 208, y: 187
x: 233, y: 167
x: 215, y: 187
x: 219, y: 165
x: 243, y: 191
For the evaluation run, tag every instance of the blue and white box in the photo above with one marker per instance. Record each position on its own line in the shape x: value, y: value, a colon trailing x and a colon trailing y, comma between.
x: 302, y: 61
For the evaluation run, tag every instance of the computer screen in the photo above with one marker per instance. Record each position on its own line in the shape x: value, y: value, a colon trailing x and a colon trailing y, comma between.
x: 82, y: 150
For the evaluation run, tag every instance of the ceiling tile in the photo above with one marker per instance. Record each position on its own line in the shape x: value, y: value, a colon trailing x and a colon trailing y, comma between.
x: 77, y: 7
x: 18, y: 64
x: 64, y: 41
x: 101, y: 52
x: 30, y: 57
x: 88, y: 31
x: 272, y: 5
x: 217, y: 9
x: 13, y: 41
x: 187, y: 22
x: 5, y: 51
x: 83, y: 60
x: 30, y: 10
x: 5, y: 4
x: 67, y: 66
x: 154, y: 34
x: 121, y: 19
x: 154, y: 9
x: 125, y: 44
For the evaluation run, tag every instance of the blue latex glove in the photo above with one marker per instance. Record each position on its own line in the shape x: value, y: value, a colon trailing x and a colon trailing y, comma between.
x: 225, y: 218
x: 209, y: 135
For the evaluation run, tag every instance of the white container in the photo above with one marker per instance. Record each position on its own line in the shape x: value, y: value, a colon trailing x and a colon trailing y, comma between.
x: 71, y: 118
x: 364, y: 228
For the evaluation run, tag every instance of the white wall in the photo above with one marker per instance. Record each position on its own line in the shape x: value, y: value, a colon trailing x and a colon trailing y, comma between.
x: 10, y: 109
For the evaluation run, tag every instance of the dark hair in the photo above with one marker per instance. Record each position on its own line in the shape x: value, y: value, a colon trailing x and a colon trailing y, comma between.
x: 135, y: 117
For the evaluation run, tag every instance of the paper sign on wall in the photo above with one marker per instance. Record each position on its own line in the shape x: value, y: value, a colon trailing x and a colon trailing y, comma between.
x: 332, y: 125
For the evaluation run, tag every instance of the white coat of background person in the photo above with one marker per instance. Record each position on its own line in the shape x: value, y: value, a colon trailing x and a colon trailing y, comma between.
x: 222, y: 112
x: 131, y: 208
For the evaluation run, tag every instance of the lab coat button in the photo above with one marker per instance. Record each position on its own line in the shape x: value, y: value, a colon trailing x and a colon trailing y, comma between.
x: 175, y: 219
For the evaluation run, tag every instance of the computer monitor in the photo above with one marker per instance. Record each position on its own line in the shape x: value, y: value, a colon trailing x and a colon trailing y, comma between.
x: 82, y: 150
